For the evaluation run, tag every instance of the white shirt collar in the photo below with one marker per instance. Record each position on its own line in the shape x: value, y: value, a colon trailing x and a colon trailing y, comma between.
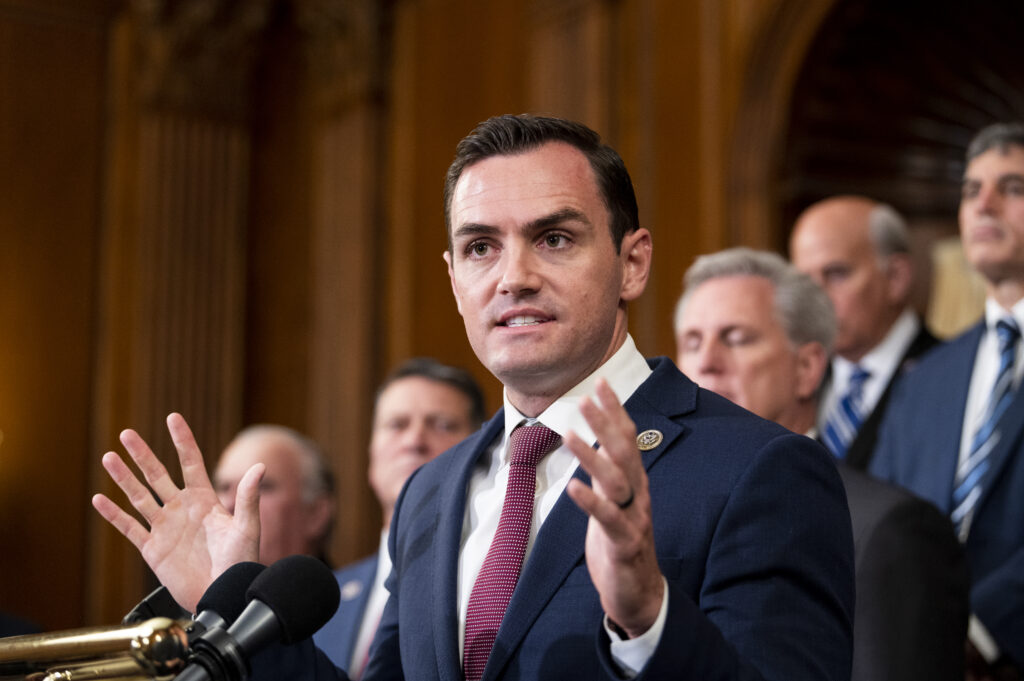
x: 994, y: 312
x: 625, y: 371
x: 883, y: 359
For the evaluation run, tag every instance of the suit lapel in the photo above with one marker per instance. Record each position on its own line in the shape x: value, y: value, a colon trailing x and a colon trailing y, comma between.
x: 863, y: 446
x: 559, y: 546
x: 946, y: 418
x: 1010, y: 427
x: 448, y: 540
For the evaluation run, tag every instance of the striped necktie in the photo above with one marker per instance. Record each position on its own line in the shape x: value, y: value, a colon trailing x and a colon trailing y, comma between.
x: 967, y: 485
x: 846, y: 418
x: 493, y: 587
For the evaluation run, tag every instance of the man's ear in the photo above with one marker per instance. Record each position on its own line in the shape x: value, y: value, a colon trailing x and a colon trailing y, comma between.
x: 635, y: 252
x: 899, y: 274
x: 811, y: 362
x: 447, y: 255
x: 321, y: 513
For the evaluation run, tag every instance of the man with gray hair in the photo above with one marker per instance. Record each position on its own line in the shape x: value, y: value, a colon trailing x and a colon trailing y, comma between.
x: 296, y: 494
x: 752, y: 328
x: 954, y: 432
x: 858, y: 251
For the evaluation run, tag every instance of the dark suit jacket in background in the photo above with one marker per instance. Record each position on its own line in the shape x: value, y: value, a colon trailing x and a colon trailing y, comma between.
x: 337, y: 638
x: 919, y: 448
x: 858, y: 454
x: 912, y: 606
x: 752, y: 534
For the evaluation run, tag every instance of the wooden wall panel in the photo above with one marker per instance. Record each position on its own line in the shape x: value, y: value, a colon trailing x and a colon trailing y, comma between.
x: 52, y: 73
x: 265, y: 244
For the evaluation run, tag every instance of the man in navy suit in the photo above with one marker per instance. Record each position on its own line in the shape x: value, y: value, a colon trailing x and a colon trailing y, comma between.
x: 752, y: 328
x: 422, y: 408
x: 672, y: 534
x: 858, y: 250
x: 954, y: 432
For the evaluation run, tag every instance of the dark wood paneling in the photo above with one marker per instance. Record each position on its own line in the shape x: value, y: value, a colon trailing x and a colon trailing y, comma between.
x: 52, y: 70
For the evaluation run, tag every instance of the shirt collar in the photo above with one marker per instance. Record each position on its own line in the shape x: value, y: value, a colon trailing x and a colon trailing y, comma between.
x: 994, y: 312
x: 625, y: 371
x: 882, y: 360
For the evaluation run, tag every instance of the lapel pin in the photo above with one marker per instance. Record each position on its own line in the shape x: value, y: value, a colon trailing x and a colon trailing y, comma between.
x: 648, y: 440
x: 351, y: 589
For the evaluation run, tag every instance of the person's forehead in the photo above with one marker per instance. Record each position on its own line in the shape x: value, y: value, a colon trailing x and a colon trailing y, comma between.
x: 275, y: 452
x: 553, y: 172
x: 420, y: 394
x: 996, y: 160
x: 731, y: 300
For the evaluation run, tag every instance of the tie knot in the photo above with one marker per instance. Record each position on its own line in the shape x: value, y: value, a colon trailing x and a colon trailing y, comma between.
x: 529, y: 444
x: 857, y: 378
x: 1008, y: 331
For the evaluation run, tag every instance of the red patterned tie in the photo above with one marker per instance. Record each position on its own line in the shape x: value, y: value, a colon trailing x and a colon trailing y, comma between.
x: 497, y: 579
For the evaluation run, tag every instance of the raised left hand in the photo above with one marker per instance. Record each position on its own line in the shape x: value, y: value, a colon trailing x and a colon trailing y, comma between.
x: 620, y: 536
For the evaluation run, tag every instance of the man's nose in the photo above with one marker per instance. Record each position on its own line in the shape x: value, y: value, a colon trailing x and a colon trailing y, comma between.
x: 519, y: 273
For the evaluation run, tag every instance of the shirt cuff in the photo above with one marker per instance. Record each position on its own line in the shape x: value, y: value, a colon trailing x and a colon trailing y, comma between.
x: 982, y: 640
x: 630, y: 655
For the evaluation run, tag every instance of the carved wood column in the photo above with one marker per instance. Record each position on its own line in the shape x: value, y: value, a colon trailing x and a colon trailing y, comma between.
x: 346, y: 43
x: 172, y: 276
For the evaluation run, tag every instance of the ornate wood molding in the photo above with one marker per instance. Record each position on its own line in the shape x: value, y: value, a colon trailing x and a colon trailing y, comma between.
x: 345, y: 43
x: 198, y: 55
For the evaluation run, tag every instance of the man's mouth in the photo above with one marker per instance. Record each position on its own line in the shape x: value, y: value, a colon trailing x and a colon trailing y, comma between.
x: 523, y: 320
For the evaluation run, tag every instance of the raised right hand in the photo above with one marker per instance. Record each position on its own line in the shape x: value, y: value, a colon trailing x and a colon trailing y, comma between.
x: 191, y: 538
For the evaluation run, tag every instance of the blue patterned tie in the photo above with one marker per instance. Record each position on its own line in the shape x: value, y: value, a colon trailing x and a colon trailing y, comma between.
x: 969, y: 476
x: 845, y: 420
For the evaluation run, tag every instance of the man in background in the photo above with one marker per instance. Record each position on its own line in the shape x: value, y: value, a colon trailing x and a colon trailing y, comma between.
x: 296, y: 493
x: 954, y: 432
x: 423, y: 408
x: 752, y: 328
x: 858, y: 251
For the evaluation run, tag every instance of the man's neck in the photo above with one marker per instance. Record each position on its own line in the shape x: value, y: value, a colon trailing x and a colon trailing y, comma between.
x: 1006, y: 292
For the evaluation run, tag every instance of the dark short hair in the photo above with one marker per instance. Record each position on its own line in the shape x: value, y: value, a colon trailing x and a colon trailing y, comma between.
x: 1000, y: 136
x: 431, y: 369
x: 509, y: 135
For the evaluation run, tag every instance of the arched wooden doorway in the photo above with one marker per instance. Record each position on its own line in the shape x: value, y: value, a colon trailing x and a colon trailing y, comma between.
x: 875, y: 98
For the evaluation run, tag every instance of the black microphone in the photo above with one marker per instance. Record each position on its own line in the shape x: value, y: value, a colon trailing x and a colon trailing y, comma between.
x: 159, y: 603
x: 288, y: 602
x: 225, y: 599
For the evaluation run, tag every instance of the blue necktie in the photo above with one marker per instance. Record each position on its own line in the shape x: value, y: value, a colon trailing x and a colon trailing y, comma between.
x: 967, y: 485
x: 846, y: 418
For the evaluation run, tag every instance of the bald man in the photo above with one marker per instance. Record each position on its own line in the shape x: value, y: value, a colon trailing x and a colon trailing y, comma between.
x: 858, y: 251
x: 296, y: 493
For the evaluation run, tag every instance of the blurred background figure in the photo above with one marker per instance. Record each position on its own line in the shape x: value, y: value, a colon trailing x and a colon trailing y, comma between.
x: 296, y: 494
x: 954, y: 432
x: 423, y: 408
x: 752, y: 328
x: 858, y: 251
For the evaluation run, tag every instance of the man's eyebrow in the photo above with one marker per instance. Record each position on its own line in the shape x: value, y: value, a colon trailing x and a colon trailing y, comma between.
x: 557, y: 218
x: 475, y: 229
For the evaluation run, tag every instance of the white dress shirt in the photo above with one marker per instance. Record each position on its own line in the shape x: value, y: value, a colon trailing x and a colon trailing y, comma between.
x: 983, y: 377
x: 624, y: 371
x: 986, y: 366
x: 374, y: 609
x: 881, y: 362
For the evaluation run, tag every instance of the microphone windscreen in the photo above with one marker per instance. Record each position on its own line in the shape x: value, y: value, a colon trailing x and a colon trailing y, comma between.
x: 226, y: 596
x: 301, y: 591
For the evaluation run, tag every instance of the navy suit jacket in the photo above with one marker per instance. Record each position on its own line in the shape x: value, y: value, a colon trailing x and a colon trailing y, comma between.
x: 919, y: 448
x: 858, y: 454
x: 752, y: 534
x: 337, y: 638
